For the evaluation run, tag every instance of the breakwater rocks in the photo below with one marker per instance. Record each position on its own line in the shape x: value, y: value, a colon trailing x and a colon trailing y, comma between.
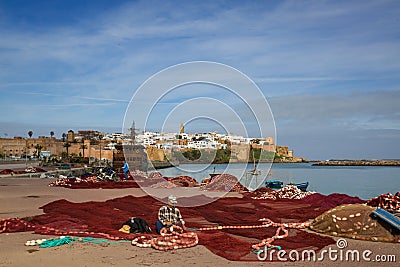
x: 358, y: 163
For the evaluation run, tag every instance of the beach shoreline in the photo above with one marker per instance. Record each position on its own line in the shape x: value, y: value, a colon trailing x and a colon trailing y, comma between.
x: 22, y: 197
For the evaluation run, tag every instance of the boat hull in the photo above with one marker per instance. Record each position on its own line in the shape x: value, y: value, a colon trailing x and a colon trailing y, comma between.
x: 275, y: 184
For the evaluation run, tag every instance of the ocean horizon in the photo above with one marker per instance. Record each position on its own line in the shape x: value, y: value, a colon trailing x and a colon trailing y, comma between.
x: 364, y: 182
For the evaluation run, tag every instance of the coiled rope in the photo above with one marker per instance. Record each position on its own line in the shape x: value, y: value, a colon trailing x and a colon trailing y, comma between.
x: 16, y: 223
x: 280, y: 233
x: 267, y: 242
x: 170, y: 238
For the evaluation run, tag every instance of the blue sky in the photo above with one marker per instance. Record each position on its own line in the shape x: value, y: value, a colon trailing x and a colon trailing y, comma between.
x: 330, y: 70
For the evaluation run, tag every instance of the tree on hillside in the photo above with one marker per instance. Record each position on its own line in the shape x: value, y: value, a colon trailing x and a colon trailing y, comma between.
x: 51, y: 134
x: 83, y: 147
x: 38, y: 149
x: 64, y: 135
x: 67, y: 145
x: 30, y: 133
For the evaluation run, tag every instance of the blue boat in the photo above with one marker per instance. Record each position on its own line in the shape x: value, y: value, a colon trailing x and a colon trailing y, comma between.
x: 302, y: 186
x: 273, y: 184
x: 276, y: 184
x: 387, y: 217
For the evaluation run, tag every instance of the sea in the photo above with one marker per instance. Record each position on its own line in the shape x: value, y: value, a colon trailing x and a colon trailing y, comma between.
x: 364, y: 182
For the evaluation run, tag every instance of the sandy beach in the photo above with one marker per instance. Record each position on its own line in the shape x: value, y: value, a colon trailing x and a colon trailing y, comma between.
x: 20, y: 197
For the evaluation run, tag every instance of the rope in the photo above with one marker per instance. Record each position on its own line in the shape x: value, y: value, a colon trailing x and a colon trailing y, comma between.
x: 19, y: 225
x: 170, y: 238
x: 10, y: 223
x: 281, y: 232
x: 229, y: 227
x: 267, y: 242
x: 55, y: 242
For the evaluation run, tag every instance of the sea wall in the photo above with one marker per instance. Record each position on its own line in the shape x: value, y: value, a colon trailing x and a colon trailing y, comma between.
x: 358, y: 163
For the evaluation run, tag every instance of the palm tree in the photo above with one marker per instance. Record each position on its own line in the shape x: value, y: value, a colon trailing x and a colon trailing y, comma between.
x: 30, y: 133
x: 83, y: 147
x: 38, y: 149
x: 67, y: 145
x: 51, y: 134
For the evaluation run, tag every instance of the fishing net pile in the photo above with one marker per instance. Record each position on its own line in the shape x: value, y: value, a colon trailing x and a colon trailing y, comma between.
x: 183, y: 181
x: 10, y: 171
x: 7, y: 171
x: 136, y: 178
x: 157, y: 180
x: 91, y: 182
x: 155, y: 175
x: 138, y: 174
x: 225, y: 182
x: 152, y: 180
x: 163, y: 184
x: 104, y: 219
x: 33, y: 169
x: 288, y: 192
x: 259, y: 192
x: 387, y: 201
x: 171, y: 182
x: 354, y: 221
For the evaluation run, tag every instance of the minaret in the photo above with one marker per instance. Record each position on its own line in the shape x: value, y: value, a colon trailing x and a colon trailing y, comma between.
x: 133, y: 133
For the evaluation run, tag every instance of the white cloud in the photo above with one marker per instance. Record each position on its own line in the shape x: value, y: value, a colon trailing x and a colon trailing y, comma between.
x: 314, y: 53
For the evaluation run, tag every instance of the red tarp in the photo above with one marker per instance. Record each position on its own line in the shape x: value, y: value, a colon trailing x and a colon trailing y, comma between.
x: 233, y: 244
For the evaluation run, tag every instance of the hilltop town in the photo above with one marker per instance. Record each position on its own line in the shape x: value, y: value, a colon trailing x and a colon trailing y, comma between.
x: 160, y: 146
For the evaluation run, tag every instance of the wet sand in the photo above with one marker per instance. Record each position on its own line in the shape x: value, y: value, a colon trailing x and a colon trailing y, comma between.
x: 20, y: 197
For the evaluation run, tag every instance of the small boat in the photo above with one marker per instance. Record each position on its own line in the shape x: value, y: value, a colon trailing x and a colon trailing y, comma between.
x: 254, y: 171
x: 273, y: 184
x: 302, y: 186
x: 387, y: 217
x: 276, y: 184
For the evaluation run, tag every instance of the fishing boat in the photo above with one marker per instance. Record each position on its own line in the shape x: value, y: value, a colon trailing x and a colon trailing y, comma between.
x: 212, y: 175
x: 254, y: 171
x: 276, y: 184
x: 302, y: 186
x: 273, y: 184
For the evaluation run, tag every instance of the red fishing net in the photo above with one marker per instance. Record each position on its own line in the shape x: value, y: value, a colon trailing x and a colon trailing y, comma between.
x: 225, y: 182
x: 387, y: 201
x: 103, y: 219
x: 93, y: 183
x: 9, y: 171
x: 34, y: 169
x: 289, y: 192
x: 184, y: 181
x: 6, y: 171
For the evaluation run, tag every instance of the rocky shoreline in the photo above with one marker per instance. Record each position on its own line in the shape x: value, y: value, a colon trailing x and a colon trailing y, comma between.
x: 358, y: 163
